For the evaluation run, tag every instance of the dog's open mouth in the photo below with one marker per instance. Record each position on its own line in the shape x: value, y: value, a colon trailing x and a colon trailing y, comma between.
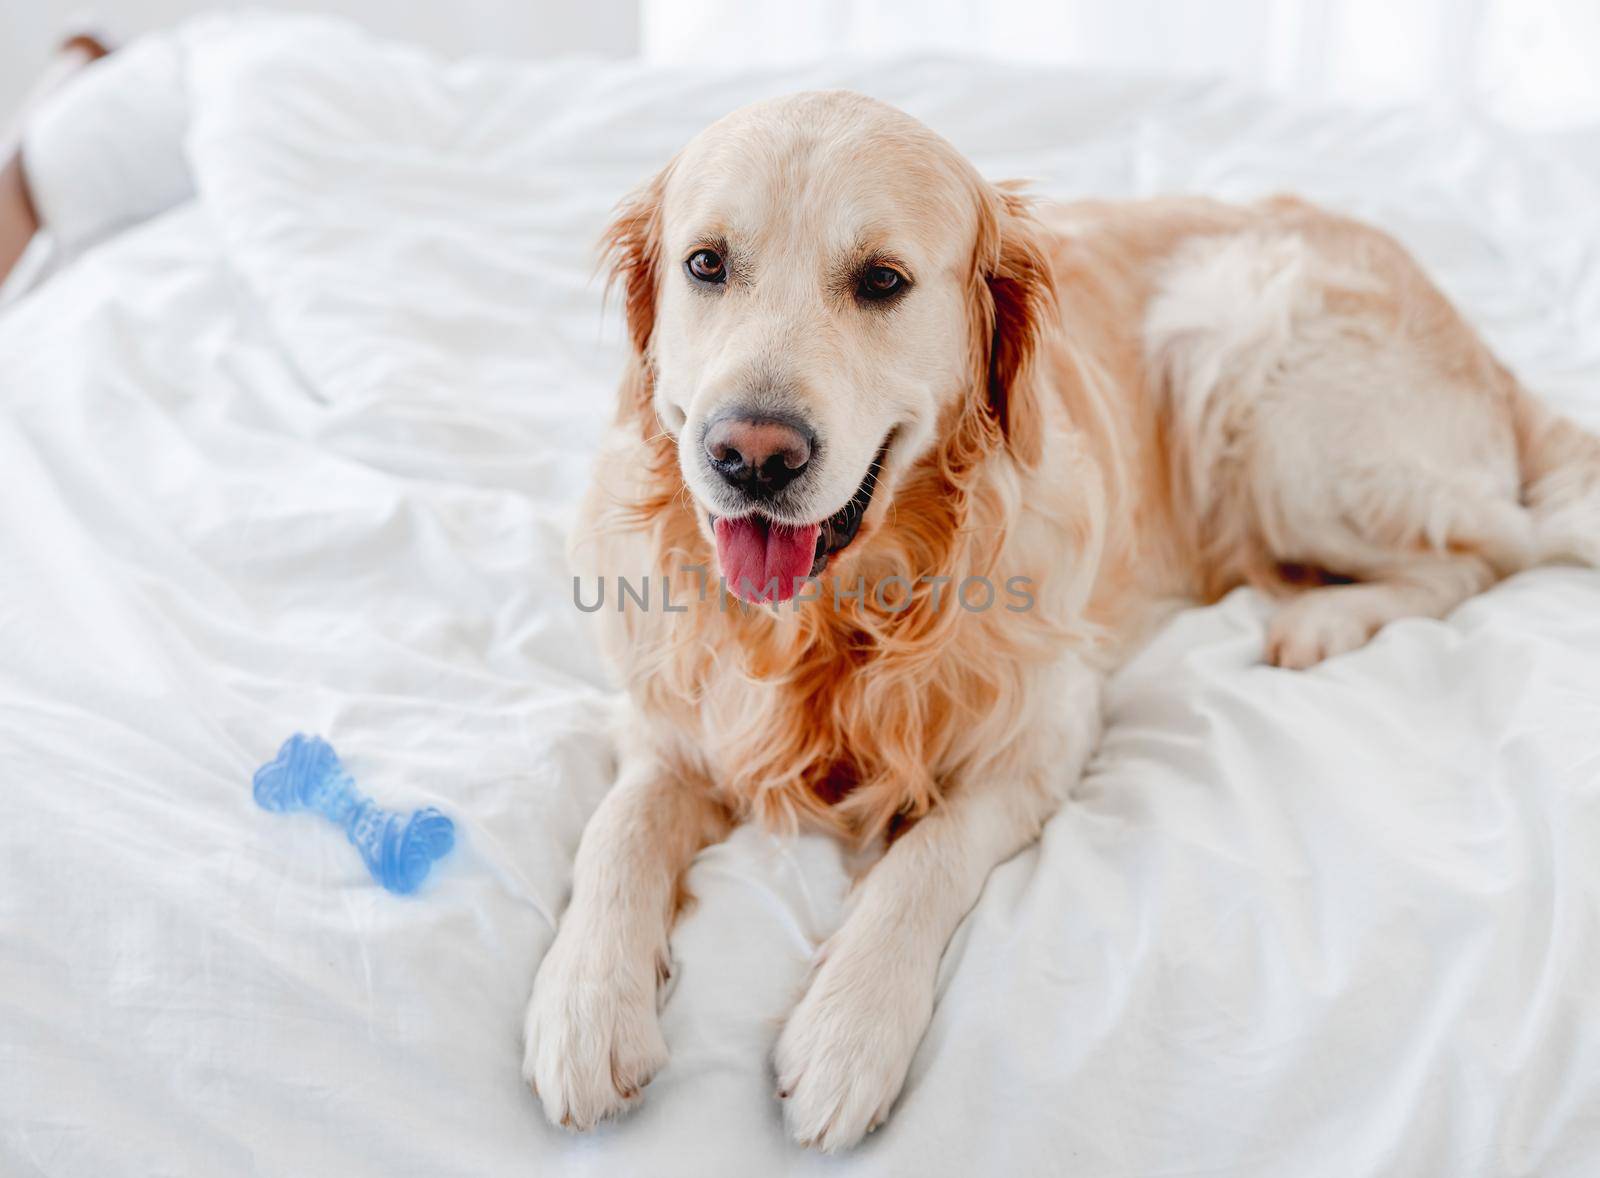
x: 762, y: 560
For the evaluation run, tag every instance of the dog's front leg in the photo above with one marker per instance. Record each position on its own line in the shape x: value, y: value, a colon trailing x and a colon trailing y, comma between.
x: 842, y: 1057
x: 592, y: 1036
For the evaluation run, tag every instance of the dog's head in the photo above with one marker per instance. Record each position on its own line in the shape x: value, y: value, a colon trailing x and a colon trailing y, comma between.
x: 822, y: 292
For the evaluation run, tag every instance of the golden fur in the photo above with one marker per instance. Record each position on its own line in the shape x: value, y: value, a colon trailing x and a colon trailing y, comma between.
x: 1147, y: 403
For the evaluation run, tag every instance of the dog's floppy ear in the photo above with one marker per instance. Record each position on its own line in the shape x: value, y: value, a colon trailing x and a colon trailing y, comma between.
x: 631, y: 254
x: 1019, y: 295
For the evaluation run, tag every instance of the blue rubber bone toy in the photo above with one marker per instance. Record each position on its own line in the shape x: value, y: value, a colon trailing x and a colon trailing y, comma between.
x: 399, y: 850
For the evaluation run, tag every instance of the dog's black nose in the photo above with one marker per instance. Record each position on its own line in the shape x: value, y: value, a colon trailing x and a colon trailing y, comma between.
x: 756, y: 453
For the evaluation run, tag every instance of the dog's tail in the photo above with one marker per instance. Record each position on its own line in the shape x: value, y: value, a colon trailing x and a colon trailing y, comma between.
x: 1560, y: 463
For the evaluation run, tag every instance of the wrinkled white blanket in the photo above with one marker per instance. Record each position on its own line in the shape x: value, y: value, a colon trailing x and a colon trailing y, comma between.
x: 299, y: 454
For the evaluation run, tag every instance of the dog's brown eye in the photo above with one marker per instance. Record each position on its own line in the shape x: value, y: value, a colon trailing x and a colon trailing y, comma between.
x: 707, y: 266
x: 881, y: 282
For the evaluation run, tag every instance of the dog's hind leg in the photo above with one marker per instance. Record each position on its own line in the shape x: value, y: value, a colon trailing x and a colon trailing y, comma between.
x: 1331, y: 409
x: 1330, y: 620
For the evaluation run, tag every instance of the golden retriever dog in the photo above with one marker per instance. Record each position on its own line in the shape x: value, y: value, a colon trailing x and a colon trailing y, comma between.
x: 953, y: 453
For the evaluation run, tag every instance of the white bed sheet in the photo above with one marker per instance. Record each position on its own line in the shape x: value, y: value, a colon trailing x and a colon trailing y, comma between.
x: 299, y: 454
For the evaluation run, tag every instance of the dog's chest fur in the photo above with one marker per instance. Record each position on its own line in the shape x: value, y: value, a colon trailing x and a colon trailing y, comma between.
x: 808, y: 723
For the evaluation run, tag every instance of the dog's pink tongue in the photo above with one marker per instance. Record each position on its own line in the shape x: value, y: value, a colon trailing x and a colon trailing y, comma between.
x: 762, y: 560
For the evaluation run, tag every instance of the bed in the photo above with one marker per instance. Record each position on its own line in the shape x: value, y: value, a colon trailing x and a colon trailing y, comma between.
x: 291, y: 436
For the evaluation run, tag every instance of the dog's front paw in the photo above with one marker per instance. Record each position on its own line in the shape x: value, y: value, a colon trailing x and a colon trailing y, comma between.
x: 592, y: 1037
x: 844, y: 1052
